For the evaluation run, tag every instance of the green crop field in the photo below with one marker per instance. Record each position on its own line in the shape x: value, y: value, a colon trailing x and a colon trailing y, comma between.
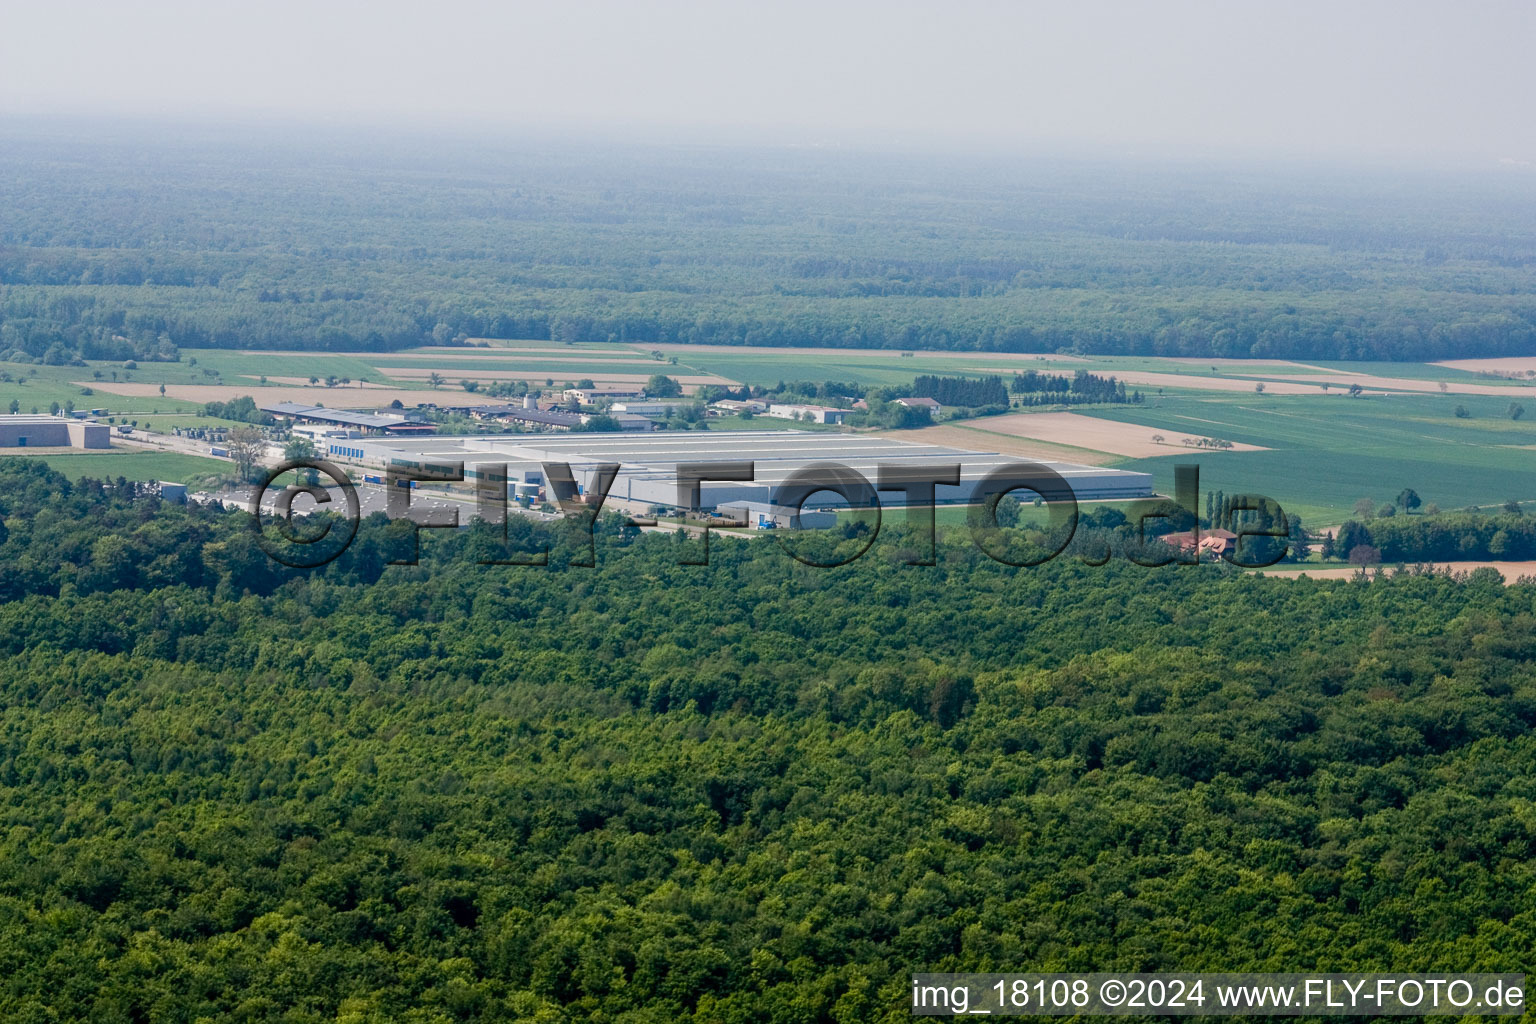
x: 1328, y: 452
x: 135, y: 465
x: 273, y: 364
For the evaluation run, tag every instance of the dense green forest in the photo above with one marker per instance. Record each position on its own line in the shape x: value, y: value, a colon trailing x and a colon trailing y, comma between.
x: 1419, y: 538
x: 748, y: 791
x: 132, y: 241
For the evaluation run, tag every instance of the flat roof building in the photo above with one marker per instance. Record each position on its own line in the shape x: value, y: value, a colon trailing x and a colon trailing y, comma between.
x: 339, y: 417
x: 590, y: 396
x: 531, y: 417
x: 811, y: 413
x: 648, y: 473
x: 40, y: 431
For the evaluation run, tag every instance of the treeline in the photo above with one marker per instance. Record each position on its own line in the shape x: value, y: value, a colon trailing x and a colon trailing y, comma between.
x: 1034, y: 388
x: 110, y: 250
x: 1447, y: 536
x: 961, y: 391
x: 242, y: 409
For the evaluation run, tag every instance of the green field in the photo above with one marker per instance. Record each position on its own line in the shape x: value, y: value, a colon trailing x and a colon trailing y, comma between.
x: 1328, y: 452
x: 136, y: 465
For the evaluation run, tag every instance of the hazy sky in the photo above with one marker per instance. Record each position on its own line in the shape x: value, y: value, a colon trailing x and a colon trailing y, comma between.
x: 1437, y: 81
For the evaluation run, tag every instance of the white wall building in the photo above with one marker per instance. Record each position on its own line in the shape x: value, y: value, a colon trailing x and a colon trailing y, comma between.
x: 811, y: 413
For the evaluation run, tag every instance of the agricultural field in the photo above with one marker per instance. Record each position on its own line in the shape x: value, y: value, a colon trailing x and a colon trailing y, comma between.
x: 134, y: 464
x: 1325, y: 453
x: 1095, y: 433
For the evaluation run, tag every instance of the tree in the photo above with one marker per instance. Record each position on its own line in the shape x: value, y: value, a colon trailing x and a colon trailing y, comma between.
x: 470, y: 385
x: 1364, y: 508
x: 1408, y: 499
x: 1512, y: 506
x: 586, y: 382
x: 15, y: 407
x: 162, y: 390
x: 245, y: 446
x: 1326, y: 549
x: 1515, y: 410
x: 1364, y: 554
x: 1259, y: 387
x: 1350, y: 536
x: 300, y: 449
x: 662, y: 386
x: 1299, y: 542
x: 435, y: 379
x: 1462, y: 413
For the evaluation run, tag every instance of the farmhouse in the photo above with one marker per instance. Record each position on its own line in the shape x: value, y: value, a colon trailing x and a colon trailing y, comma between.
x: 1208, y: 542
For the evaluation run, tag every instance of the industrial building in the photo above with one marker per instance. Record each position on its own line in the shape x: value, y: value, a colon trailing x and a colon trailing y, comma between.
x: 760, y: 515
x: 38, y: 431
x: 591, y: 396
x: 648, y: 474
x: 809, y: 413
x: 345, y: 418
x: 644, y: 408
x: 734, y: 407
x: 529, y: 416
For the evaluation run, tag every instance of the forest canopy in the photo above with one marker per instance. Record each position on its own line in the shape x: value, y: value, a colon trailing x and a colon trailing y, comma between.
x: 120, y: 244
x: 745, y: 792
